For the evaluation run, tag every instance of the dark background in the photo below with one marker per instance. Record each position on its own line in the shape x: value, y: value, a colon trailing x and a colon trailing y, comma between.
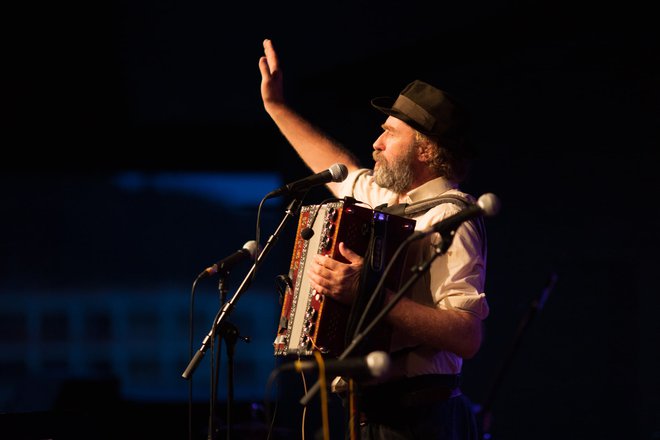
x: 128, y: 126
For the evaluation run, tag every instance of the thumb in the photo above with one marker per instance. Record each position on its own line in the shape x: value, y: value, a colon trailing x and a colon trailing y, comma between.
x: 351, y: 256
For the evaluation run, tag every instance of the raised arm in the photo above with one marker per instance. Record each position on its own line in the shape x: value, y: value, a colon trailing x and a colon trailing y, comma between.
x: 316, y: 149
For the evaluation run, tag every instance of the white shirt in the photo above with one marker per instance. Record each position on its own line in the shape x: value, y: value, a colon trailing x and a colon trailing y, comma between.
x: 455, y: 280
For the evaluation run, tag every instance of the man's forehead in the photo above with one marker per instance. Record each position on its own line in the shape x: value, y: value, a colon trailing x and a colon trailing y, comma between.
x: 393, y: 123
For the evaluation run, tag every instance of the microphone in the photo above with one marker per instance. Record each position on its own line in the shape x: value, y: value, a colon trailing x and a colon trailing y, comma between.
x: 249, y: 250
x: 488, y: 205
x: 375, y: 364
x: 336, y: 173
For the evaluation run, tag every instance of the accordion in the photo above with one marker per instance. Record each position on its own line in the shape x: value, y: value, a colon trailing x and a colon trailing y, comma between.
x: 310, y: 321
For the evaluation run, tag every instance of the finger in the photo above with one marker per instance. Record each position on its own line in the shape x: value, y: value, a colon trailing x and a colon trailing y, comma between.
x: 318, y: 284
x: 269, y: 51
x: 324, y: 261
x: 316, y: 269
x: 349, y: 254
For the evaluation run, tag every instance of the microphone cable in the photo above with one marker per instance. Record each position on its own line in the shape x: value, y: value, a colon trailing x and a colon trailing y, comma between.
x: 353, y: 415
x: 324, y: 395
x: 190, y: 355
x: 270, y: 419
x: 381, y: 281
x: 258, y: 225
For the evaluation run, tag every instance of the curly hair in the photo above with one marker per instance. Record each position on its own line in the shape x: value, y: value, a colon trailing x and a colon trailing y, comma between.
x: 450, y: 158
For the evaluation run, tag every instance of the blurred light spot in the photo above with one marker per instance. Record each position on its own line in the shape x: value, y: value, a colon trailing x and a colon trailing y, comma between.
x: 232, y: 189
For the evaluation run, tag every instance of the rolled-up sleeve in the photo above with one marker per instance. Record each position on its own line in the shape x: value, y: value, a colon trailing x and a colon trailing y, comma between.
x: 464, y: 265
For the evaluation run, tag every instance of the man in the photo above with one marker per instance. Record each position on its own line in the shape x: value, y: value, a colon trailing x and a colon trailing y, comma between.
x: 422, y: 153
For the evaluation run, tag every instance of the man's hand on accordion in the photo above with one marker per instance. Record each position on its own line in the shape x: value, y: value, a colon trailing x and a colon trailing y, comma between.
x: 334, y: 278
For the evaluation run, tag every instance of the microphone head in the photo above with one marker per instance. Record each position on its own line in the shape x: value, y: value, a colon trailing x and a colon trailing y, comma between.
x: 251, y: 247
x: 489, y: 203
x: 338, y: 171
x: 307, y: 233
x: 378, y: 363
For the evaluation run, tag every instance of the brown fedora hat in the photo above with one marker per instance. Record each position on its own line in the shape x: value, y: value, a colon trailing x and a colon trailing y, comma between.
x: 427, y: 109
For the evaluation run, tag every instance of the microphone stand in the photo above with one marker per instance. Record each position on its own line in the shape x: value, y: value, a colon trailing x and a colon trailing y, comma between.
x: 230, y: 334
x: 222, y: 289
x: 229, y: 330
x: 417, y: 271
x: 226, y: 332
x: 485, y: 411
x: 227, y: 308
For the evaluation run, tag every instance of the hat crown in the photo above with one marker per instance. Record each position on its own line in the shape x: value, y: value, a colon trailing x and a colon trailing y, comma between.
x: 426, y: 108
x: 424, y: 94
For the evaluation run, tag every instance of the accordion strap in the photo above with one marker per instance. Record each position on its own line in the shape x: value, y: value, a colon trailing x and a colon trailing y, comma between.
x: 413, y: 209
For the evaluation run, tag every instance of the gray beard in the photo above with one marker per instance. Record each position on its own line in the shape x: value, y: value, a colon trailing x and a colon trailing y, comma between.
x: 396, y: 177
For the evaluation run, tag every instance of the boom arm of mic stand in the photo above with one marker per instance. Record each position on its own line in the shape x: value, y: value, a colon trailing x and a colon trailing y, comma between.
x: 417, y: 272
x: 226, y: 309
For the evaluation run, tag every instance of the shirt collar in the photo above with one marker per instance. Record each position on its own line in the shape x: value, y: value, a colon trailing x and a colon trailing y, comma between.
x: 432, y: 188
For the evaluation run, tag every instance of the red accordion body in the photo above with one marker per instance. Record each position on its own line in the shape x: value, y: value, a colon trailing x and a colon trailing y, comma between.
x: 310, y: 321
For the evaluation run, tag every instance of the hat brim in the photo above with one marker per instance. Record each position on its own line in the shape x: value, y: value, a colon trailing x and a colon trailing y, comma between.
x: 385, y: 103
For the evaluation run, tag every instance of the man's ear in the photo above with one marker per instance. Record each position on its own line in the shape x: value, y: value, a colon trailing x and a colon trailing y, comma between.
x: 425, y: 151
